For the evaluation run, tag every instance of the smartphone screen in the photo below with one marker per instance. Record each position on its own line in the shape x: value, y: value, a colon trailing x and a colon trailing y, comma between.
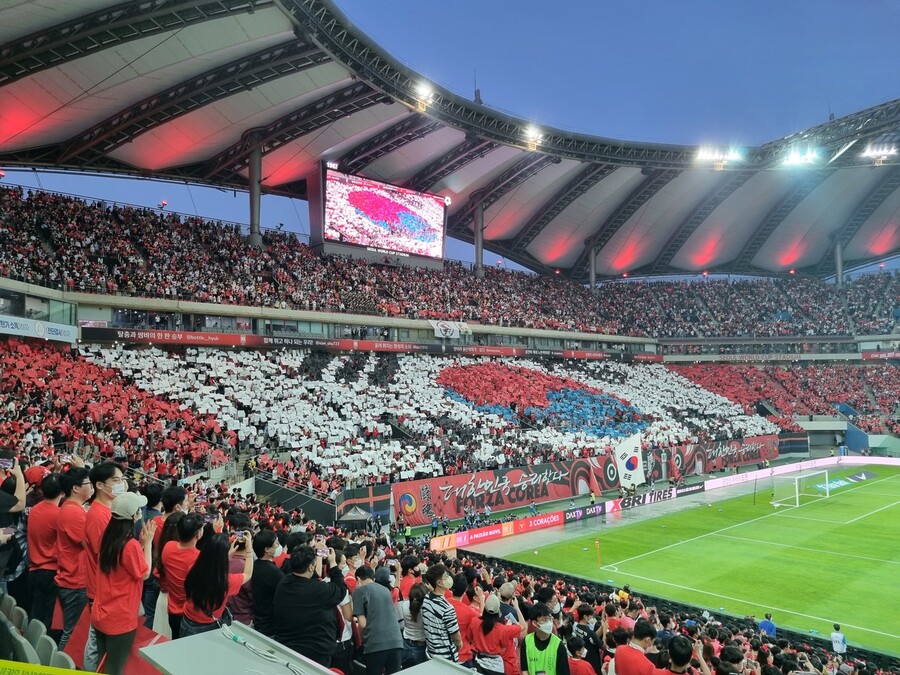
x: 6, y: 464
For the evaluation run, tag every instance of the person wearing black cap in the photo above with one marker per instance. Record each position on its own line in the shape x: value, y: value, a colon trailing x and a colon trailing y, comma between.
x: 304, y: 613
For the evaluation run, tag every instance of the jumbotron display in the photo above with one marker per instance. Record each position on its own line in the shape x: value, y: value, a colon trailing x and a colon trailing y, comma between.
x: 383, y: 217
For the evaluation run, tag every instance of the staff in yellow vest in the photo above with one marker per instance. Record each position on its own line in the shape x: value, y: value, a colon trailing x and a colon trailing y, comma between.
x: 542, y: 652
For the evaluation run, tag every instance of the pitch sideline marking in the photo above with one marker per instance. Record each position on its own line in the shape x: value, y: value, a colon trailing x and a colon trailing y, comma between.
x: 811, y: 550
x: 755, y: 604
x: 872, y: 513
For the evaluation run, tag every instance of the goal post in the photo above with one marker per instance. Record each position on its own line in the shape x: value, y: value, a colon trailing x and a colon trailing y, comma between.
x: 793, y: 491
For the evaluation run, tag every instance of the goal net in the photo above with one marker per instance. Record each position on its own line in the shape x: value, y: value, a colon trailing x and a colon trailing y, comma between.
x: 792, y: 491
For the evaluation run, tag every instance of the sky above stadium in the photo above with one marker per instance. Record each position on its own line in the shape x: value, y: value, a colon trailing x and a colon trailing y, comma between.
x: 741, y: 72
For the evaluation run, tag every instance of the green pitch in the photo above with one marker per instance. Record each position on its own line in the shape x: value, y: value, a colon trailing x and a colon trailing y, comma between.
x: 830, y: 560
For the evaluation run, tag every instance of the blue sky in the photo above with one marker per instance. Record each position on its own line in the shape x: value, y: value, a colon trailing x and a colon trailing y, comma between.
x: 697, y: 71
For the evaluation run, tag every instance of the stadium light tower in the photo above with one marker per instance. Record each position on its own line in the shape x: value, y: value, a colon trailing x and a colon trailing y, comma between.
x: 424, y: 94
x: 533, y: 136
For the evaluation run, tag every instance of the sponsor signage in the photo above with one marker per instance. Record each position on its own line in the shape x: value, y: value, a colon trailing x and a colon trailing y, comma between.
x: 689, y: 489
x: 583, y: 513
x: 881, y: 356
x: 490, y: 532
x: 99, y: 333
x: 42, y: 330
x: 509, y: 487
x: 649, y: 497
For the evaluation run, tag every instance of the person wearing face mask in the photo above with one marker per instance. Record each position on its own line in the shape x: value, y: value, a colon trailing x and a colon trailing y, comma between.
x: 442, y: 636
x: 542, y: 651
x: 304, y: 612
x: 70, y: 578
x: 265, y: 579
x: 353, y: 560
x: 109, y: 483
x: 123, y: 564
x: 577, y: 663
x: 586, y: 631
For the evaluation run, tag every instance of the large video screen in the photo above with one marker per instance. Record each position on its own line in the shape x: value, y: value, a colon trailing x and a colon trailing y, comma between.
x: 383, y: 217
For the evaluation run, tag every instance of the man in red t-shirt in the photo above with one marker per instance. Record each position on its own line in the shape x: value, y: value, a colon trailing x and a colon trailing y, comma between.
x: 109, y: 482
x: 464, y: 614
x: 42, y: 558
x: 631, y: 658
x: 77, y: 488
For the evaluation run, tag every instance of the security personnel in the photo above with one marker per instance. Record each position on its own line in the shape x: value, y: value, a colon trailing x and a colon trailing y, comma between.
x: 542, y: 652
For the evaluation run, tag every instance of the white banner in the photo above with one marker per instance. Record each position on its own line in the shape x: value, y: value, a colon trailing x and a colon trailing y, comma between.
x: 45, y: 330
x: 449, y: 329
x: 628, y: 461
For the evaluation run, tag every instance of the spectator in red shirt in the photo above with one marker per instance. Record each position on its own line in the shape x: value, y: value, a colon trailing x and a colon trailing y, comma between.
x: 492, y: 641
x: 631, y: 658
x: 42, y: 557
x: 77, y: 489
x: 208, y: 584
x: 109, y: 483
x: 122, y: 567
x: 175, y: 561
x: 577, y: 651
x: 465, y: 614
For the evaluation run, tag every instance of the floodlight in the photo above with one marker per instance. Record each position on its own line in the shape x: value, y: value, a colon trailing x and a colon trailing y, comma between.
x: 532, y: 133
x: 718, y: 155
x: 424, y: 91
x: 796, y: 156
x: 879, y: 151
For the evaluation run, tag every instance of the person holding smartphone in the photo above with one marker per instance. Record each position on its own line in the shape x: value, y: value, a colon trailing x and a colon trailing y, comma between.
x: 304, y: 612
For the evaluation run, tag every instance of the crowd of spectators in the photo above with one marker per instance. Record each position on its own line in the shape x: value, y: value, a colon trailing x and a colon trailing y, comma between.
x: 53, y: 402
x: 326, y: 422
x: 872, y: 391
x: 180, y: 562
x: 68, y: 243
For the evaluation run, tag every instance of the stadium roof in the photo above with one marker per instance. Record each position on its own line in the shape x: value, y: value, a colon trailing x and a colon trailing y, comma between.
x: 185, y: 89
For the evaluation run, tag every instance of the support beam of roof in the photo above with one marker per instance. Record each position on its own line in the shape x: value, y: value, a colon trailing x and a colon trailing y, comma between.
x: 307, y: 119
x: 453, y: 160
x: 726, y: 187
x: 409, y: 129
x: 883, y: 189
x: 510, y: 179
x: 587, y: 178
x: 867, y: 123
x: 353, y: 48
x: 213, y: 85
x: 109, y: 27
x: 654, y: 181
x: 809, y: 181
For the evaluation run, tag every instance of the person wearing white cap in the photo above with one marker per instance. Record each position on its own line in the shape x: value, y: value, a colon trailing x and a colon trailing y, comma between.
x: 122, y: 567
x: 493, y: 641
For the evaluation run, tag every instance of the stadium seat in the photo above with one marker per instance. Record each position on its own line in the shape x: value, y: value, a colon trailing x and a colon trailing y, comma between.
x: 22, y: 649
x: 6, y: 605
x: 62, y: 660
x: 35, y: 630
x: 46, y: 650
x: 19, y: 619
x: 6, y: 644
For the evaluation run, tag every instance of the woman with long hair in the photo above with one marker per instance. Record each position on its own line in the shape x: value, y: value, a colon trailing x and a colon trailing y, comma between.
x: 123, y: 566
x: 208, y: 585
x: 493, y: 642
x: 409, y: 610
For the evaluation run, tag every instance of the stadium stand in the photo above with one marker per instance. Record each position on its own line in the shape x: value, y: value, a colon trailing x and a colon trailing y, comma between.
x: 68, y: 243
